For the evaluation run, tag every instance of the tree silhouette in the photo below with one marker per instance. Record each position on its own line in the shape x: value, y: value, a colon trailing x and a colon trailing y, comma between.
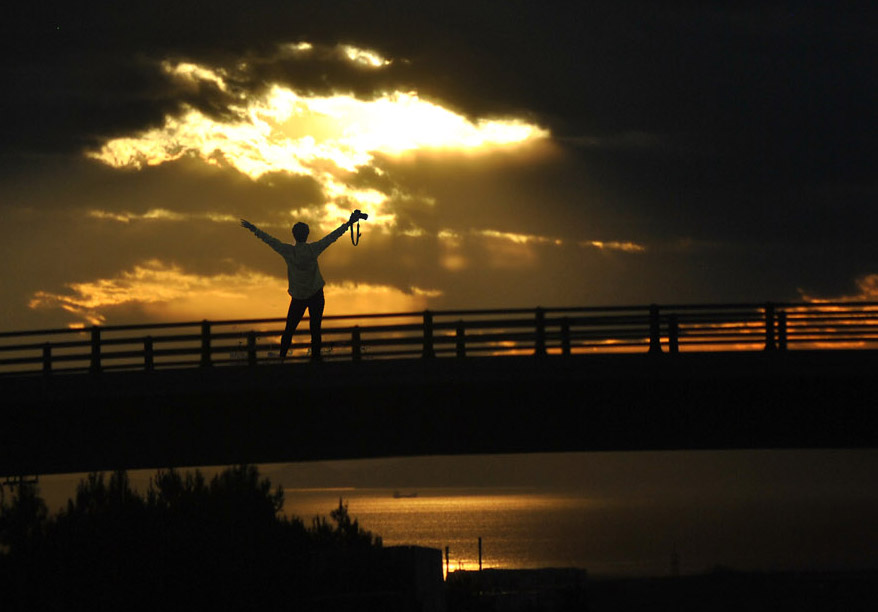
x: 23, y: 521
x: 184, y: 543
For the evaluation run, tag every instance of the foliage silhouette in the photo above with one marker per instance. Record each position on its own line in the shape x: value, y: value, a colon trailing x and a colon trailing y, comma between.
x: 346, y: 534
x: 185, y: 543
x: 22, y: 521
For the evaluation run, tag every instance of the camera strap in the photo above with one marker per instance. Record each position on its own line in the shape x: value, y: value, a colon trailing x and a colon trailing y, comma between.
x: 357, y: 241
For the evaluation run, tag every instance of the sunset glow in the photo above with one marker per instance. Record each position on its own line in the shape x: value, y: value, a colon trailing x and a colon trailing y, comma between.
x: 288, y: 132
x: 614, y: 245
x: 166, y: 291
x: 322, y: 137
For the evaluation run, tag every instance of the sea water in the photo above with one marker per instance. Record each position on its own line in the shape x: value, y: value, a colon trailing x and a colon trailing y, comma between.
x: 628, y: 514
x: 528, y: 528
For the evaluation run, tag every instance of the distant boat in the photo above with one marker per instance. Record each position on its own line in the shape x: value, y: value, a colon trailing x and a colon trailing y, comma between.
x: 398, y: 495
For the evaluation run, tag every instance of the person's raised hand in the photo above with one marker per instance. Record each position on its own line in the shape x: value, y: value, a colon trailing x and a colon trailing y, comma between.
x: 247, y: 224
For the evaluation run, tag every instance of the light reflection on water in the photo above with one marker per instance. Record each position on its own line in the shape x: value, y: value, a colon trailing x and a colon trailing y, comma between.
x: 518, y: 529
x: 530, y: 528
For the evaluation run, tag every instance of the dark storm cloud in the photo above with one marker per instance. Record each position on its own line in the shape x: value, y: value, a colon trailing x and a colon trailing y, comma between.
x: 738, y: 81
x: 746, y: 127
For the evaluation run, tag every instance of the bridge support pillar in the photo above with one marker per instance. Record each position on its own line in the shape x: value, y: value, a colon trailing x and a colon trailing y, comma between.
x: 356, y: 344
x: 148, y: 356
x: 565, y: 336
x: 251, y: 348
x: 769, y: 327
x: 673, y: 334
x: 461, y: 339
x: 540, y: 347
x: 782, y: 331
x: 428, y: 351
x: 205, y: 344
x: 47, y: 358
x: 655, y: 332
x: 95, y: 366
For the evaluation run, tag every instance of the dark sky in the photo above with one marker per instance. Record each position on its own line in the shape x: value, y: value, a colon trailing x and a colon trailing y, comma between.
x: 688, y: 152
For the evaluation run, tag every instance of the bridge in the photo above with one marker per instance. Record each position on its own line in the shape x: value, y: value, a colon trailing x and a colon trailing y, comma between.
x: 774, y: 375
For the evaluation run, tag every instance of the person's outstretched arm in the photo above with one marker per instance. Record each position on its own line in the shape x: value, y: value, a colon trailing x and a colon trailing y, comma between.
x: 268, y: 239
x: 332, y: 236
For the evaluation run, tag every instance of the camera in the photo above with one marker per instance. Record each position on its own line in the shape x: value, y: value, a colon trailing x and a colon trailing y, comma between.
x: 359, y: 215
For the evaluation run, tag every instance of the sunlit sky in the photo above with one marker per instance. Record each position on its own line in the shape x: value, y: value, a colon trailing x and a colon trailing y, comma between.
x: 508, y: 156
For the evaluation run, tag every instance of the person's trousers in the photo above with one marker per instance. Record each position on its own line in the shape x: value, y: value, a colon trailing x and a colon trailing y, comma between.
x: 315, y: 305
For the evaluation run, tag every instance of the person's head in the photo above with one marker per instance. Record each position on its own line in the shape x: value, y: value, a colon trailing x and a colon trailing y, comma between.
x: 300, y: 231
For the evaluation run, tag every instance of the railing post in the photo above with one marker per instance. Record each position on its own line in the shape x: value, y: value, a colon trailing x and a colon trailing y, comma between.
x: 673, y: 334
x: 47, y: 358
x: 251, y: 348
x: 356, y: 344
x: 540, y: 345
x: 655, y: 332
x: 429, y: 352
x: 148, y: 355
x: 769, y: 327
x: 782, y: 330
x: 205, y: 344
x: 565, y: 336
x: 95, y: 367
x: 461, y: 339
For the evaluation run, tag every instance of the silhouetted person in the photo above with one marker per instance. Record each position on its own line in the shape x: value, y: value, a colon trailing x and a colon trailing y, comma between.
x: 305, y: 281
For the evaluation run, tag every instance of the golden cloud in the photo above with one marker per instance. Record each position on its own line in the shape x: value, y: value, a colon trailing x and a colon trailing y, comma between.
x: 288, y: 132
x: 614, y: 245
x: 324, y: 137
x: 166, y: 292
x: 520, y: 238
x: 504, y: 250
x: 159, y: 214
x: 867, y: 291
x: 194, y: 74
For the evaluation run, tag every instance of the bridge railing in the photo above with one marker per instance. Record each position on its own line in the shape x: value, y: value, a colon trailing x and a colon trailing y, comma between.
x: 449, y: 333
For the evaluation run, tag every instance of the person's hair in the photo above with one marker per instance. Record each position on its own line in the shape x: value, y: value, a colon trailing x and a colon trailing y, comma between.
x: 300, y: 231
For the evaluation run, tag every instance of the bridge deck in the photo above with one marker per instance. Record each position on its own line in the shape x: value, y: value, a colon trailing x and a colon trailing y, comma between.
x: 343, y: 410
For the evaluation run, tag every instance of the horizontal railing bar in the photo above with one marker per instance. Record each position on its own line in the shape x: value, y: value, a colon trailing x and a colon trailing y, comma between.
x: 20, y: 360
x: 776, y: 305
x: 759, y: 334
x: 837, y: 332
x: 843, y: 316
x: 717, y: 316
x: 818, y: 338
x: 722, y: 325
x: 37, y: 347
x: 613, y: 344
x: 753, y: 341
x: 834, y: 307
x: 176, y: 364
x: 833, y: 324
x: 634, y: 320
x: 796, y: 312
x: 75, y: 370
x: 44, y: 332
x: 839, y: 328
x: 508, y: 324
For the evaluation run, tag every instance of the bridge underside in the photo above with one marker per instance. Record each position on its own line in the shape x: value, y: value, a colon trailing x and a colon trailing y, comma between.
x: 304, y: 412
